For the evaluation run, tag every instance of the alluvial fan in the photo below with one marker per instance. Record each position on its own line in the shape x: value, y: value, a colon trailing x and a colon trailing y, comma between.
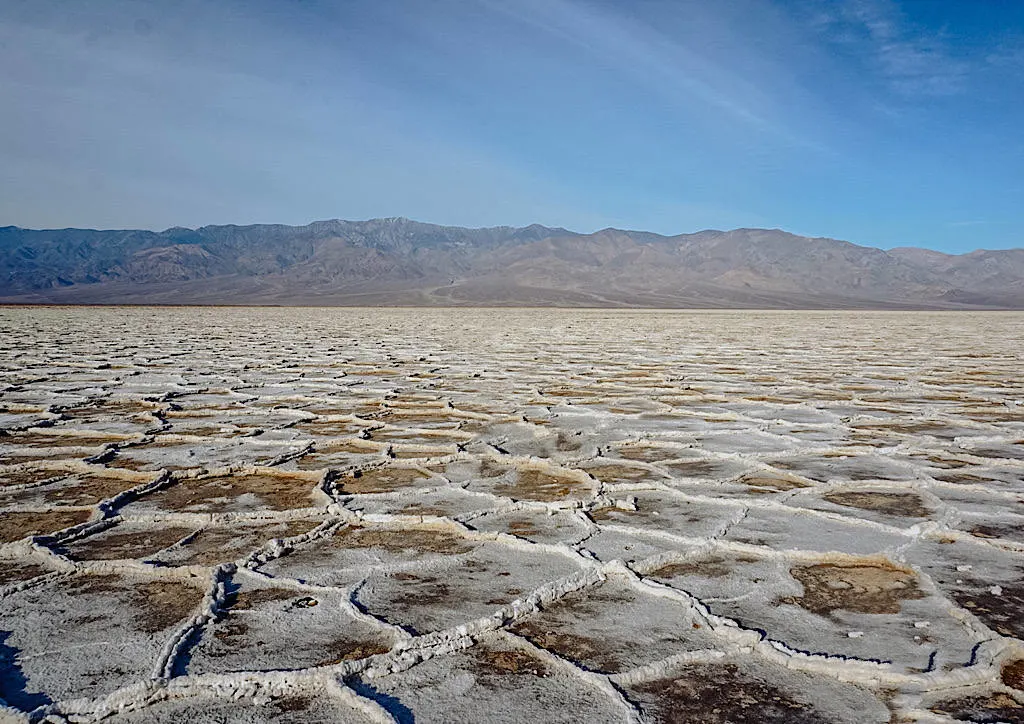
x: 242, y: 514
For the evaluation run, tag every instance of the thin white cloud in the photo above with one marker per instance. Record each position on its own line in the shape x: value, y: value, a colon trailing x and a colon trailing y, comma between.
x: 684, y: 70
x: 1008, y: 54
x: 912, y: 62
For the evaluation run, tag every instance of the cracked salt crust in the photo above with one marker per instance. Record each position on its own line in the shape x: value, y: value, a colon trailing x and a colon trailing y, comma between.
x: 499, y: 515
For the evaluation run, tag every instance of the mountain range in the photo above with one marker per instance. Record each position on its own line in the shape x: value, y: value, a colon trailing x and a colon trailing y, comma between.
x: 396, y: 261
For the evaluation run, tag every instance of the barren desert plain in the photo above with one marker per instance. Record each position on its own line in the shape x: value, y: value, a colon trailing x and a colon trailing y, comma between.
x: 506, y: 515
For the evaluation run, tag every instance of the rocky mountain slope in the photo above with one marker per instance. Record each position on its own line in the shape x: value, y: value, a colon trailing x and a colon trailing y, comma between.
x: 398, y: 261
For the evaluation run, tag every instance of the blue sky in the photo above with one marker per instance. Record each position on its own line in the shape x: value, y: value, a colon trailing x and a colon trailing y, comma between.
x: 881, y: 122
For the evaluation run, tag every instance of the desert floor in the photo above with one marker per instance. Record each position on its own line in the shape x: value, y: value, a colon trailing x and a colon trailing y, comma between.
x: 358, y: 515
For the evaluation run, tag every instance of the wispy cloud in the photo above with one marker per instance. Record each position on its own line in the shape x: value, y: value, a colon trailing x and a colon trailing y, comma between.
x: 912, y: 61
x: 1008, y: 54
x: 684, y: 71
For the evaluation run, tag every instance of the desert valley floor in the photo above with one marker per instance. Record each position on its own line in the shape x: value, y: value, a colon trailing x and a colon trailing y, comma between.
x: 358, y: 515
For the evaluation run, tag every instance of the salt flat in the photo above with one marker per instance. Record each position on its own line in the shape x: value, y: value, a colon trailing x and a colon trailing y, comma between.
x: 243, y: 514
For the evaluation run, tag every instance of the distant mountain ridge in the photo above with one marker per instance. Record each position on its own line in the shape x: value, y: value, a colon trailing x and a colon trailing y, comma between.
x: 396, y: 261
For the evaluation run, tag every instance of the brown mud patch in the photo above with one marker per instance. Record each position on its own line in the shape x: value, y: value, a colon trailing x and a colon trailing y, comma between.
x: 610, y: 513
x: 419, y: 453
x: 352, y: 446
x: 707, y: 567
x: 124, y: 459
x: 936, y: 429
x: 201, y: 494
x: 379, y: 480
x: 226, y: 431
x: 770, y: 483
x: 11, y: 572
x: 290, y: 704
x: 17, y: 525
x: 995, y: 531
x: 396, y: 541
x: 29, y: 477
x: 771, y: 399
x: 1001, y: 613
x: 947, y: 463
x: 1013, y: 674
x: 646, y: 453
x: 1006, y: 452
x: 211, y: 546
x: 992, y: 416
x: 549, y: 629
x: 249, y: 598
x: 328, y: 428
x: 419, y: 592
x: 481, y: 408
x: 857, y: 587
x: 534, y: 484
x: 111, y: 408
x: 88, y: 583
x: 505, y: 662
x: 442, y: 416
x: 65, y: 454
x: 158, y: 605
x: 905, y: 505
x: 818, y: 468
x: 36, y: 440
x: 995, y: 708
x: 697, y: 469
x: 352, y: 649
x: 619, y: 473
x: 702, y: 694
x: 88, y: 490
x: 522, y: 528
x: 113, y: 544
x: 585, y: 650
x: 155, y: 605
x: 204, y: 412
x: 959, y: 478
x: 423, y: 509
x: 628, y: 408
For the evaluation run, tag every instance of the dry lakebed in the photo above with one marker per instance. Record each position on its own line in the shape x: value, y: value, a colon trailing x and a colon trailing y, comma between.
x: 505, y: 515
